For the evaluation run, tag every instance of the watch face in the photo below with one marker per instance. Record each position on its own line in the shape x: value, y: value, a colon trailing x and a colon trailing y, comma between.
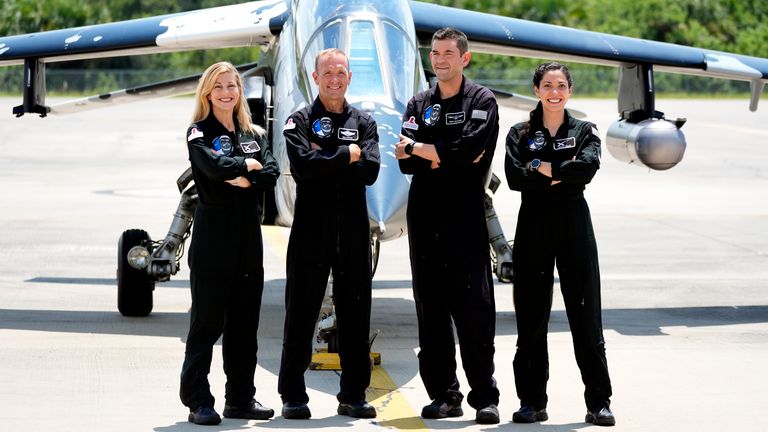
x: 535, y: 164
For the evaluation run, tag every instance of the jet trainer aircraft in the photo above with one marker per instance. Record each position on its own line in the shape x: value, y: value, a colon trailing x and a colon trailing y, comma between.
x: 382, y: 40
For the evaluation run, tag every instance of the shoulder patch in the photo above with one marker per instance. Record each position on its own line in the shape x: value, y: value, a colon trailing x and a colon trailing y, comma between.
x: 411, y: 124
x: 194, y: 133
x: 479, y: 115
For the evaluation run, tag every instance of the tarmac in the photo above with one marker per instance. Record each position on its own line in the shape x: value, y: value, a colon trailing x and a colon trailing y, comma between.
x: 683, y: 255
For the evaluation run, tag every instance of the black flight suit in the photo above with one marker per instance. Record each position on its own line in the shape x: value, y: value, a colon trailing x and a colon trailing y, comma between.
x: 554, y: 228
x: 330, y: 231
x: 448, y: 240
x: 225, y: 261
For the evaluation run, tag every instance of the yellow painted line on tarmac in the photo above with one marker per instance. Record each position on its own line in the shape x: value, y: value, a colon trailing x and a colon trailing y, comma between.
x: 393, y: 411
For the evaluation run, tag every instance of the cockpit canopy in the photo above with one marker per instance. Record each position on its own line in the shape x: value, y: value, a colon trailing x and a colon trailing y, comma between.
x: 383, y: 56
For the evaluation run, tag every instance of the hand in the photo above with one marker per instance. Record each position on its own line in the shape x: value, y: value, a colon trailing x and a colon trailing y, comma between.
x: 354, y: 153
x: 434, y: 165
x: 252, y: 164
x: 239, y: 181
x: 314, y: 146
x: 479, y: 157
x: 400, y: 147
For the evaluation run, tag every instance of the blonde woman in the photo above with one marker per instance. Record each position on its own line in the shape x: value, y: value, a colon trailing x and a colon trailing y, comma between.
x: 231, y: 164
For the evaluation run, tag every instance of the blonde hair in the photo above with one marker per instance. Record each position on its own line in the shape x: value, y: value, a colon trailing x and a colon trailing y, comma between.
x: 205, y: 87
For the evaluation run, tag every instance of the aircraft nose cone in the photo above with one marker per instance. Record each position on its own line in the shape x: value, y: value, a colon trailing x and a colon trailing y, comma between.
x: 387, y: 200
x: 388, y: 196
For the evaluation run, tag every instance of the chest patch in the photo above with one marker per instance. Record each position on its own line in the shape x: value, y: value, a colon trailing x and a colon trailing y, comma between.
x: 455, y: 118
x: 565, y: 143
x: 348, y: 134
x: 322, y: 127
x: 537, y: 142
x: 411, y: 124
x: 222, y: 146
x: 249, y: 147
x: 431, y: 114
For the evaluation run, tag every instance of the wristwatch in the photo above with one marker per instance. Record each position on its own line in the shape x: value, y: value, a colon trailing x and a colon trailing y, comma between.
x: 408, y: 149
x: 535, y: 164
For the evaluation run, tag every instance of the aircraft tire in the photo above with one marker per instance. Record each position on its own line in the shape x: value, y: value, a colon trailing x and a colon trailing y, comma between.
x: 134, y: 287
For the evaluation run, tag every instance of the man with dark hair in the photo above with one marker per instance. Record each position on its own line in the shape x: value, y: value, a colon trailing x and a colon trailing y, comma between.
x: 447, y: 142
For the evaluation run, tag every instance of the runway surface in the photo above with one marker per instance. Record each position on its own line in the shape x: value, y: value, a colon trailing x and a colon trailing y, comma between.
x: 683, y: 254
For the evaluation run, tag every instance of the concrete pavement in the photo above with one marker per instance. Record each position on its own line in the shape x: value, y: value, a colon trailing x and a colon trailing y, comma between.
x: 684, y: 262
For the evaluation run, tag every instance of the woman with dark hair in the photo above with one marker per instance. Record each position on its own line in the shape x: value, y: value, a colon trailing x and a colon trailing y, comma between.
x: 232, y: 165
x: 550, y: 158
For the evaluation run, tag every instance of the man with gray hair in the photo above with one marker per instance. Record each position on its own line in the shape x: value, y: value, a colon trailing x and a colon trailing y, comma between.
x: 334, y: 153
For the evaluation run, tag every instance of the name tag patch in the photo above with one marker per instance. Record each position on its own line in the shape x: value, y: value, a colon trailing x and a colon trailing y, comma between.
x: 455, y: 118
x: 348, y: 134
x: 479, y: 115
x: 249, y: 147
x: 565, y: 143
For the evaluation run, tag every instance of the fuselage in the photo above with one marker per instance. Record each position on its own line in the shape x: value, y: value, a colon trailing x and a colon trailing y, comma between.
x: 380, y: 41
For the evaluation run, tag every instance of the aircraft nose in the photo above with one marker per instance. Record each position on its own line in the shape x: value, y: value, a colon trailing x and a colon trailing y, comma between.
x: 388, y: 198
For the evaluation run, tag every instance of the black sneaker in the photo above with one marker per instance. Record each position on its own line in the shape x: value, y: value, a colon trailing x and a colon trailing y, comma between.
x: 439, y: 409
x: 296, y: 411
x: 601, y: 417
x: 529, y: 414
x: 361, y: 409
x: 487, y: 415
x: 252, y: 411
x: 204, y: 415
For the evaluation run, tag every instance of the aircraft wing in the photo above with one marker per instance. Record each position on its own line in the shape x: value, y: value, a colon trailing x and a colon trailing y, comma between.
x: 509, y: 36
x: 247, y: 24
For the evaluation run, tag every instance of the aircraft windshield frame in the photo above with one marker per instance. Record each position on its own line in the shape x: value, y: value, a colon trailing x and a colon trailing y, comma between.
x: 380, y: 54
